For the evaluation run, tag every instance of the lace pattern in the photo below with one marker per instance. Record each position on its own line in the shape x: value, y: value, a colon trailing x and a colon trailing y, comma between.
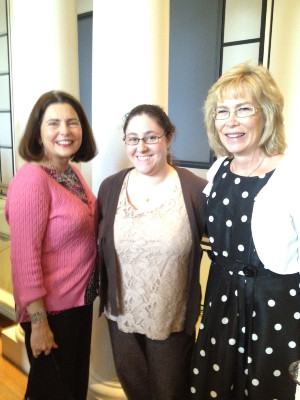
x: 153, y: 246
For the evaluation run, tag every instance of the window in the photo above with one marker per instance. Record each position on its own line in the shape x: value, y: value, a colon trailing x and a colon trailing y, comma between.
x: 6, y: 138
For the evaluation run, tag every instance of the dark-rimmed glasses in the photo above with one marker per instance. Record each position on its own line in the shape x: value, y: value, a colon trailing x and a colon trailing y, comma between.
x: 148, y: 139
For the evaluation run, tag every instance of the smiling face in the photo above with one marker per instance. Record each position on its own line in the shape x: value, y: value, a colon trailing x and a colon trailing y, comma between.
x: 61, y: 133
x: 240, y: 136
x: 148, y: 159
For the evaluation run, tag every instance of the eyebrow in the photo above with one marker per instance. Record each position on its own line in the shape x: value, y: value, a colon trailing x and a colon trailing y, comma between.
x: 58, y: 119
x: 237, y: 105
x: 145, y: 133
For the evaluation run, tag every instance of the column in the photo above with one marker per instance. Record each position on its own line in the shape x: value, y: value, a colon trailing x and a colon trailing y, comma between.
x: 130, y: 67
x: 44, y: 54
x: 286, y: 28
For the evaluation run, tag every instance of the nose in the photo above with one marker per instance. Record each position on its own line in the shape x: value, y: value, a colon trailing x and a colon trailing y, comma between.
x: 64, y: 128
x: 141, y: 145
x: 232, y: 119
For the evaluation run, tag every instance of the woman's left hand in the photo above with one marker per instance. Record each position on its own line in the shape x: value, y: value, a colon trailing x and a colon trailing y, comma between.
x: 42, y: 339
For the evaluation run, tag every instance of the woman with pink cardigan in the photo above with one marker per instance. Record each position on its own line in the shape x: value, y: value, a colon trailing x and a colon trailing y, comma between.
x: 52, y: 216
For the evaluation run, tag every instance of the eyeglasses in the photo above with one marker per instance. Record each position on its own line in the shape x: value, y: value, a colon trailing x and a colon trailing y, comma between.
x: 148, y: 139
x: 240, y: 112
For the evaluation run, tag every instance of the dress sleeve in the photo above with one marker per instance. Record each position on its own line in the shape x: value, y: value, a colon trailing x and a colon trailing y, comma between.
x: 27, y: 212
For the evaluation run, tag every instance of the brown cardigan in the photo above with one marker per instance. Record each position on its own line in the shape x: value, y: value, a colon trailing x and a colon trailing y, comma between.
x: 195, y: 202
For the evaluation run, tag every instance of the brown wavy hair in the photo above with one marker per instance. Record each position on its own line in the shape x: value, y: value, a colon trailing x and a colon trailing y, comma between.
x: 30, y: 147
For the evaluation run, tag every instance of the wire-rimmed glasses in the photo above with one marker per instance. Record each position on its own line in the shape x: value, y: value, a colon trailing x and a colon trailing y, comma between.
x: 240, y: 112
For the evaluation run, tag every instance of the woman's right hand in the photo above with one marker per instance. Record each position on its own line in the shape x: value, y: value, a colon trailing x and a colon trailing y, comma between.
x: 42, y: 339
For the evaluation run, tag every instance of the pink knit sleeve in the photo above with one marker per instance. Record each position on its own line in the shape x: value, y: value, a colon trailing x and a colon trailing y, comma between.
x: 27, y: 213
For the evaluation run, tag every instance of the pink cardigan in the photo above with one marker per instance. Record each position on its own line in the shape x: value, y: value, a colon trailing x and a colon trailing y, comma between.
x: 53, y: 239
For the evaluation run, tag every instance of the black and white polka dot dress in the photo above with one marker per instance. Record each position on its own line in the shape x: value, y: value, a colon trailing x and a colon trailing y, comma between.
x: 250, y: 329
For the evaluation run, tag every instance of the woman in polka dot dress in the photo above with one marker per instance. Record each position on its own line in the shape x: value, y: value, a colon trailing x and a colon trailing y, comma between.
x: 250, y: 329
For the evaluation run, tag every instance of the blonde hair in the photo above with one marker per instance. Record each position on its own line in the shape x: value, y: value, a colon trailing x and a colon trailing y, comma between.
x: 259, y: 84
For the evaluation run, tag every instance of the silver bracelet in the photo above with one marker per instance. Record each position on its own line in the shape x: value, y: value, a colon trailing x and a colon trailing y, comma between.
x: 38, y: 317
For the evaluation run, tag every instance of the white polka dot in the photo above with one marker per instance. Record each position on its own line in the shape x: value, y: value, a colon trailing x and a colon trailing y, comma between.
x: 241, y: 350
x: 201, y: 326
x: 231, y: 341
x: 230, y: 272
x: 253, y: 314
x: 196, y: 371
x: 210, y: 303
x: 261, y: 177
x: 271, y: 303
x: 255, y: 382
x: 254, y: 336
x: 249, y: 360
x: 243, y: 329
x: 224, y: 253
x: 225, y: 321
x: 293, y: 292
x: 244, y: 218
x: 278, y: 327
x: 226, y: 163
x: 213, y: 195
x: 276, y: 373
x: 269, y: 350
x: 245, y: 195
x: 292, y: 344
x: 213, y: 340
x: 226, y: 202
x: 216, y: 367
x: 236, y: 293
x: 246, y: 371
x: 229, y: 223
x: 211, y: 218
x: 193, y: 390
x: 246, y: 392
x: 241, y: 247
x: 237, y: 181
x: 211, y: 239
x: 297, y: 315
x: 224, y: 175
x: 213, y: 394
x: 202, y: 353
x: 224, y: 298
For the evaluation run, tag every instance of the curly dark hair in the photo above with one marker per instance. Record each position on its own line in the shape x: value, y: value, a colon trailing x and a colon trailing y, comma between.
x: 155, y: 112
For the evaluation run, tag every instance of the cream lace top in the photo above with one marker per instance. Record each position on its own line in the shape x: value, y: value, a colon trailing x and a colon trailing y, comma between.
x: 153, y: 246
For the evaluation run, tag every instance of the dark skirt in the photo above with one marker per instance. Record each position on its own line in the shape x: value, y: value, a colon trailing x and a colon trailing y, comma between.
x: 248, y: 336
